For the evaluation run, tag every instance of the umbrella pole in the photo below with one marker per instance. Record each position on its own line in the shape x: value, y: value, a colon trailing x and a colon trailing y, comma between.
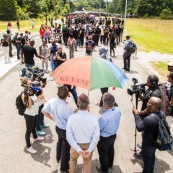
x: 88, y: 93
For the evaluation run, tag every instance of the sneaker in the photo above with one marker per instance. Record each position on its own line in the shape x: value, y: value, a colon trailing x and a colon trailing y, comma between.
x: 139, y: 146
x: 138, y: 155
x: 41, y: 133
x: 39, y: 138
x: 31, y: 150
x: 45, y: 126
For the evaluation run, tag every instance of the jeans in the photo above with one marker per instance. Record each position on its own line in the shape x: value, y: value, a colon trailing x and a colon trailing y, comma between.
x: 74, y: 94
x: 62, y: 149
x: 52, y: 63
x: 18, y: 47
x: 40, y: 120
x: 31, y: 122
x: 106, y: 152
x: 148, y: 154
x: 103, y: 90
x: 127, y: 63
x: 29, y: 65
x: 77, y: 44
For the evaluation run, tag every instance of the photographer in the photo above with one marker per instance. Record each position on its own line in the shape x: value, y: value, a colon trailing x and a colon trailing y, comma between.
x: 152, y: 91
x: 31, y: 101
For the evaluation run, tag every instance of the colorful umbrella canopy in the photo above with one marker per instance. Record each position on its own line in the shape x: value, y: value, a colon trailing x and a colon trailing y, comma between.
x: 89, y: 73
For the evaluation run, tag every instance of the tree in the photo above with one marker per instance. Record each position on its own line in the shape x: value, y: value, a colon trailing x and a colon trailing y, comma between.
x: 8, y: 9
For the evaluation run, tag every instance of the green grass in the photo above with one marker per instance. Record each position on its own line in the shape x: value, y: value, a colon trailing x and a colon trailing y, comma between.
x: 161, y: 67
x: 151, y: 34
x: 24, y: 25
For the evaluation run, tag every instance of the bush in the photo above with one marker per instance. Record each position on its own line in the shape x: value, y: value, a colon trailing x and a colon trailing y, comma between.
x: 166, y: 14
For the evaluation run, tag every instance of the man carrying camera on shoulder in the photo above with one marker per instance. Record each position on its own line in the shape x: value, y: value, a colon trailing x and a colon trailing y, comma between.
x: 149, y: 127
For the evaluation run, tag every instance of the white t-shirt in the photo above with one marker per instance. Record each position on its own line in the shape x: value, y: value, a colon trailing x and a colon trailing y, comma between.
x: 35, y: 106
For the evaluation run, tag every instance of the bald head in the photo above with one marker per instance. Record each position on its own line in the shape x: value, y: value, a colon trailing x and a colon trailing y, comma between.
x: 83, y: 101
x: 156, y: 102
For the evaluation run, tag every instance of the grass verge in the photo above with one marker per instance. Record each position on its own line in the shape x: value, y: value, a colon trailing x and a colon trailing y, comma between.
x: 151, y: 34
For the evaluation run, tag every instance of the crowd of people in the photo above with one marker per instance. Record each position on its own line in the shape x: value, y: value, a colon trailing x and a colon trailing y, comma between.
x: 80, y: 133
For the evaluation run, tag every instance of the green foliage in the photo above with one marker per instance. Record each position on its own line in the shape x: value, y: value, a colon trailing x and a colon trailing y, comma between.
x: 166, y: 14
x: 13, y: 9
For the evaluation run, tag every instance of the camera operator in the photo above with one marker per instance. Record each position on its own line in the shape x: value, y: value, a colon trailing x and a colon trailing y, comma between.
x: 31, y: 100
x: 152, y: 91
x: 40, y: 82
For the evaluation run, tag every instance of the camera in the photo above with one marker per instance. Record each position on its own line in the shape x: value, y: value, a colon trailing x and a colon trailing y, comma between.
x: 31, y: 90
x: 35, y: 74
x: 136, y: 89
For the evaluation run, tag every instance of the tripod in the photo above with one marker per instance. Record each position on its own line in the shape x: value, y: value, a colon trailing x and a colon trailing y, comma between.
x: 136, y: 100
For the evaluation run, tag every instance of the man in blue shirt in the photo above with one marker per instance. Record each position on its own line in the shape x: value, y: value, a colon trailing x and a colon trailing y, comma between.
x: 82, y: 134
x: 59, y: 111
x: 109, y: 124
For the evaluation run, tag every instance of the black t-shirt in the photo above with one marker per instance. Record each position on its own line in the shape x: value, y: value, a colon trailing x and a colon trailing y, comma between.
x: 150, y: 92
x: 4, y: 42
x: 63, y: 56
x: 29, y: 53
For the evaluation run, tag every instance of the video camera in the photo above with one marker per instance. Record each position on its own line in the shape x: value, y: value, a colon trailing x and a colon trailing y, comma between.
x: 31, y: 90
x: 35, y: 74
x: 136, y: 89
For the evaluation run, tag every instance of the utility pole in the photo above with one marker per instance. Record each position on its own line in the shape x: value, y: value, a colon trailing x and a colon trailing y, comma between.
x: 125, y: 15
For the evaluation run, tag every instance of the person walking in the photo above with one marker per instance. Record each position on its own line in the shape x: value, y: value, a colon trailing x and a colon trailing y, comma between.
x: 59, y: 111
x: 128, y: 48
x: 82, y: 134
x: 109, y: 124
x: 71, y: 43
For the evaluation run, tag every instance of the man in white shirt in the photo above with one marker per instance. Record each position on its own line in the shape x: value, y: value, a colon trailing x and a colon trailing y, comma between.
x: 82, y: 134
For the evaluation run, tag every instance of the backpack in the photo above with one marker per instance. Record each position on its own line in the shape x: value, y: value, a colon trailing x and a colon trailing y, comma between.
x: 131, y: 47
x: 20, y: 105
x: 164, y: 139
x: 89, y: 46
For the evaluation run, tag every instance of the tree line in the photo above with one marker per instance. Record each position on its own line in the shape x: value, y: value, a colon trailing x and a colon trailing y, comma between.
x: 24, y: 9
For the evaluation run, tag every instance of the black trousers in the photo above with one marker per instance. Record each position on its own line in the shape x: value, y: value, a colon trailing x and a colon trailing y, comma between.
x: 127, y: 63
x: 106, y: 152
x: 103, y: 90
x: 31, y: 122
x: 62, y: 149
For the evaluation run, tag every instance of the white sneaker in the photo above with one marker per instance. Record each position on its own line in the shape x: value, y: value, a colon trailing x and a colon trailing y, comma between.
x: 39, y: 138
x: 31, y: 150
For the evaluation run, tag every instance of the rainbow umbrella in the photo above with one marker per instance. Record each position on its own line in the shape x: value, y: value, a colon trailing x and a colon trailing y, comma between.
x: 89, y: 73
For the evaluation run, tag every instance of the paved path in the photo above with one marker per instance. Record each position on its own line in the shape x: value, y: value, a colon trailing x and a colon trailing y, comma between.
x: 13, y: 155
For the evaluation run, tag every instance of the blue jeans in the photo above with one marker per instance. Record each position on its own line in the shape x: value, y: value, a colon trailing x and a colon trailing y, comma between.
x: 74, y: 94
x: 52, y: 63
x: 40, y: 120
x: 18, y: 47
x: 29, y: 65
x: 148, y: 154
x: 77, y: 44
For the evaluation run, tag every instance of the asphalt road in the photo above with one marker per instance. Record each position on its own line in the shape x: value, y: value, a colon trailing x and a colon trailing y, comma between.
x: 13, y: 155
